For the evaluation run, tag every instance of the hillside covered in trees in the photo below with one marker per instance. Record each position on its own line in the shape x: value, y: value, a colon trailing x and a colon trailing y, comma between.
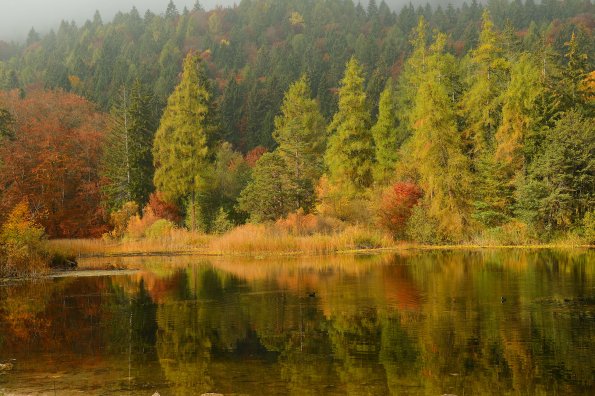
x: 439, y: 124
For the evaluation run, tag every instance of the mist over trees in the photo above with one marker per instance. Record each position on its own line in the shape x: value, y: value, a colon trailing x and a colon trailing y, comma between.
x: 458, y: 122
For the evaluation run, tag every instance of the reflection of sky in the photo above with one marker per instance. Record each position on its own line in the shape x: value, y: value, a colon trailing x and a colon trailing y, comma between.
x: 18, y: 16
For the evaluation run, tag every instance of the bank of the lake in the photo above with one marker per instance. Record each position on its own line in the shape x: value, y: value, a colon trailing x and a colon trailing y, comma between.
x: 254, y: 240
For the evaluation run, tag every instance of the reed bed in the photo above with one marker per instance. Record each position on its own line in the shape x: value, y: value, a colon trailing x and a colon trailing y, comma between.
x: 261, y: 239
x: 177, y: 241
x: 248, y: 239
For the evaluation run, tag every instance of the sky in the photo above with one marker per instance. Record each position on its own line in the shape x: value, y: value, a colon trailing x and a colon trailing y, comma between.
x: 17, y: 17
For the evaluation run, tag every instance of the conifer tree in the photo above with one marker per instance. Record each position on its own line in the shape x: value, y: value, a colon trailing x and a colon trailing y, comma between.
x: 350, y: 152
x: 387, y: 137
x: 481, y: 103
x: 436, y: 145
x: 411, y: 79
x: 300, y: 133
x: 127, y: 163
x: 184, y: 138
x: 267, y: 196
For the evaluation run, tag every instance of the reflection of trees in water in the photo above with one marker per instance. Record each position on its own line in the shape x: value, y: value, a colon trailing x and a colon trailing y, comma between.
x: 428, y: 323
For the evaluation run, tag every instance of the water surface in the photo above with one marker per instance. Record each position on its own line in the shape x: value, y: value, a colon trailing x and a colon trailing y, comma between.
x: 416, y: 323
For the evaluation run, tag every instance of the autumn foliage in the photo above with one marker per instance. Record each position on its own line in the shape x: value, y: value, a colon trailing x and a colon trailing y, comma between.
x: 22, y: 250
x: 52, y: 162
x: 396, y: 206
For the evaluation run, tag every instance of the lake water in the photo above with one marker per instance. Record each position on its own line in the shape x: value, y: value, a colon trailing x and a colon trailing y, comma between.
x: 498, y: 322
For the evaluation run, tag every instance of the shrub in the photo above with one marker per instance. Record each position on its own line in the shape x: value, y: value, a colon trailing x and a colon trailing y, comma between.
x: 120, y: 219
x: 300, y: 223
x: 163, y: 209
x: 160, y: 229
x: 221, y: 224
x: 22, y: 244
x: 513, y: 233
x: 589, y: 227
x: 421, y: 227
x: 137, y: 226
x: 396, y: 207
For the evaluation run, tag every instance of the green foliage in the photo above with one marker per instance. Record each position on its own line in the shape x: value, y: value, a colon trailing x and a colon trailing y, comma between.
x: 436, y: 148
x: 482, y: 101
x: 350, y: 153
x: 127, y: 163
x: 221, y: 223
x: 183, y: 141
x: 160, y: 229
x: 6, y: 124
x: 589, y: 227
x: 560, y: 186
x: 266, y: 197
x: 387, y: 136
x: 421, y: 227
x: 300, y: 133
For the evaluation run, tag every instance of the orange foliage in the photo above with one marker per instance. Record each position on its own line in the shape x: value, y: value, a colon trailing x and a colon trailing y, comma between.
x: 53, y: 161
x: 397, y: 203
x: 163, y: 209
x: 254, y: 155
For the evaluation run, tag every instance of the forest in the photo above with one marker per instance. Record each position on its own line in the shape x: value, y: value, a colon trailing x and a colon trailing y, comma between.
x: 436, y: 125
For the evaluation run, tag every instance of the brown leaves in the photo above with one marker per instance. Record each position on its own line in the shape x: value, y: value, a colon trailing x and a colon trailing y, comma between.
x: 52, y: 162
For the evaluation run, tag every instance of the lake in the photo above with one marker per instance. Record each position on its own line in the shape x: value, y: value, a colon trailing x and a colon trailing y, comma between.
x: 458, y: 322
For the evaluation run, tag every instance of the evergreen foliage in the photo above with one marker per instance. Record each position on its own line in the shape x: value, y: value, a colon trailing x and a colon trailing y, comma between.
x: 350, y: 152
x: 127, y: 163
x: 183, y: 141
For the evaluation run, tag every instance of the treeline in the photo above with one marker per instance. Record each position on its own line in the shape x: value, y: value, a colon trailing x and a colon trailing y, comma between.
x: 436, y: 137
x: 254, y: 51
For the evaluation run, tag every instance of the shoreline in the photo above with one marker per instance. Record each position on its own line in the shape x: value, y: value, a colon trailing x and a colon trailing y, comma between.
x: 289, y: 253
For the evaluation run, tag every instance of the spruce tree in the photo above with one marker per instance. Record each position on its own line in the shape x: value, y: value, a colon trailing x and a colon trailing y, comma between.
x: 127, y: 163
x: 267, y: 197
x: 350, y: 153
x: 387, y: 136
x: 300, y: 133
x: 183, y: 140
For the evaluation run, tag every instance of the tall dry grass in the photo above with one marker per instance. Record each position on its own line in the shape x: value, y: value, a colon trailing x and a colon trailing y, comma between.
x: 254, y: 239
x: 175, y: 241
x: 249, y: 239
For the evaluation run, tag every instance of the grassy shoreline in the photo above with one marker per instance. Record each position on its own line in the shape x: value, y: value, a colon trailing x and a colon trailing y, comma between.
x: 259, y: 241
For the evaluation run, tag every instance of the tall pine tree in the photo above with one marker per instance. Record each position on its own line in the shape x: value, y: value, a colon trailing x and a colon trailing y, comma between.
x: 300, y: 133
x: 350, y: 153
x: 387, y: 136
x: 127, y: 163
x: 185, y: 137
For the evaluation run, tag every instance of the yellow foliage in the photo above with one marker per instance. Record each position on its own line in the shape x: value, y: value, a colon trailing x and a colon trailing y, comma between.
x: 22, y: 249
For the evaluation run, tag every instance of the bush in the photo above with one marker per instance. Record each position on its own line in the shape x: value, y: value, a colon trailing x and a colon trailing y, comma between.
x: 299, y: 223
x: 421, y: 227
x: 137, y: 226
x: 164, y: 209
x: 513, y: 233
x: 221, y: 224
x: 160, y: 229
x: 22, y: 244
x: 396, y: 207
x: 589, y: 227
x: 120, y: 219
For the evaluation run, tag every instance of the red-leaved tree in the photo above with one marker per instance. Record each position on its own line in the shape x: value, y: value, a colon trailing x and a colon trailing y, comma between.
x: 396, y: 205
x: 52, y: 161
